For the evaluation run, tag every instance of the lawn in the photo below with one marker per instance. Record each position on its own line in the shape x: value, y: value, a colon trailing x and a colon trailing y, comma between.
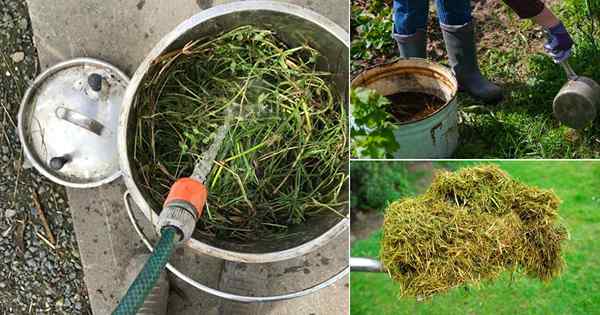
x: 511, y: 54
x: 576, y: 291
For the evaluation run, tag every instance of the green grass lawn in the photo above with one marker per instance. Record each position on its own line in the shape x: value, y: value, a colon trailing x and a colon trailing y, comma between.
x: 576, y: 291
x: 523, y: 125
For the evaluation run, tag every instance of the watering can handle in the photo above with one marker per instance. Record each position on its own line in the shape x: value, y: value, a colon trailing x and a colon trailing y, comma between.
x: 227, y: 295
x: 571, y: 75
x: 363, y: 264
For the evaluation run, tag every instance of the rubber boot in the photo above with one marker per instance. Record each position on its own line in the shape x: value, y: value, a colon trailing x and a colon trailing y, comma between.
x: 414, y: 45
x: 462, y: 55
x: 156, y: 302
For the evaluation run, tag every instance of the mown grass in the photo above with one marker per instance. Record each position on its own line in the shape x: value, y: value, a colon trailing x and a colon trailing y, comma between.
x: 523, y: 125
x: 576, y: 291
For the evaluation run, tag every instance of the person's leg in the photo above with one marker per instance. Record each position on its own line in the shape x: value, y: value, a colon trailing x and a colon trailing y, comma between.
x: 559, y: 42
x: 410, y: 27
x: 546, y: 18
x: 454, y: 12
x: 526, y: 9
x: 459, y: 34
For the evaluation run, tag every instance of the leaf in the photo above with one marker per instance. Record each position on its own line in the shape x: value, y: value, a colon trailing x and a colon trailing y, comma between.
x: 373, y: 130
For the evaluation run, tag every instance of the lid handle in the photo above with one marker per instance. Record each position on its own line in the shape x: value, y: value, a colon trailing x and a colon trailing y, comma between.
x: 56, y: 163
x: 95, y: 82
x: 79, y: 120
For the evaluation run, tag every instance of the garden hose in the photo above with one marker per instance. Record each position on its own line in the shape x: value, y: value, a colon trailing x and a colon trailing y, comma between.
x: 146, y: 279
x: 176, y: 223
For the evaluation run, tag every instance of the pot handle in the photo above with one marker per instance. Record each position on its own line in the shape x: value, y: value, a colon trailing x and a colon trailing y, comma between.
x: 227, y: 295
x: 78, y: 119
x: 571, y: 75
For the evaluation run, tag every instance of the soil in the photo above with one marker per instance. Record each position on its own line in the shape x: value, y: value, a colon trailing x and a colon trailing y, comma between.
x: 410, y: 106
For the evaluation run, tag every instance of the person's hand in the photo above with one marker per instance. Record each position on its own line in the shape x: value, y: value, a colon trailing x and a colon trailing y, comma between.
x: 559, y: 43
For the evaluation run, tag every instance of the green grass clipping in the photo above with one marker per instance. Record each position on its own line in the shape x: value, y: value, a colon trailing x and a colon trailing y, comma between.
x: 470, y: 226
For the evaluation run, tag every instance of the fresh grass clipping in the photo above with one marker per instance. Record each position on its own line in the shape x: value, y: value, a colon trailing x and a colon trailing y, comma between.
x: 284, y: 156
x: 469, y: 226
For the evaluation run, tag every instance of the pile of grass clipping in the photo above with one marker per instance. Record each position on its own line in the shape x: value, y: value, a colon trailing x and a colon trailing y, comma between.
x: 284, y: 154
x: 469, y: 226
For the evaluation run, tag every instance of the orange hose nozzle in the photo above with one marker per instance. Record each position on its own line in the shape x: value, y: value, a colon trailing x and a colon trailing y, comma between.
x: 189, y: 190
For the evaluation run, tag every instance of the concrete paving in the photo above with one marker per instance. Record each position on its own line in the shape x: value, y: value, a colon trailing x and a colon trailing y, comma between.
x: 122, y: 33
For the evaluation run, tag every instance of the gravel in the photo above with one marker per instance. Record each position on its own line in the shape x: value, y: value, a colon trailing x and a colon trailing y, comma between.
x: 18, y: 56
x: 34, y: 277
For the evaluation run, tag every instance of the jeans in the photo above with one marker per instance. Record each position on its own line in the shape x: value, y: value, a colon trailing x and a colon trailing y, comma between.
x: 411, y: 15
x: 526, y: 9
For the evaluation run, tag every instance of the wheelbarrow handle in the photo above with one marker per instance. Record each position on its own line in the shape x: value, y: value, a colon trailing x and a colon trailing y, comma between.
x: 363, y: 264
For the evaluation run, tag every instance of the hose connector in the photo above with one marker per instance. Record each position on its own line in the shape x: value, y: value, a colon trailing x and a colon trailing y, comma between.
x: 183, y: 207
x: 180, y: 215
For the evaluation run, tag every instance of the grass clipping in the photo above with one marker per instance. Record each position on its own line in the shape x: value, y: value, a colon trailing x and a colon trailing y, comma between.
x: 283, y: 157
x: 469, y: 226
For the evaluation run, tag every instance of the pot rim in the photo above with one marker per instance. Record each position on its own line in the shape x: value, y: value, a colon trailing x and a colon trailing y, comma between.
x: 135, y: 82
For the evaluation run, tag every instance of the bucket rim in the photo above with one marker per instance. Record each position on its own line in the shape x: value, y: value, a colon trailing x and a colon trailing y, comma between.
x: 424, y: 63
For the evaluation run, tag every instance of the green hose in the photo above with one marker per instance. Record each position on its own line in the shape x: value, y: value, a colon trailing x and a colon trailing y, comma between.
x: 145, y: 281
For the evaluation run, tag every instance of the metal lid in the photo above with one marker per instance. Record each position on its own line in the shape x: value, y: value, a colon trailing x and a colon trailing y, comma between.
x: 68, y: 122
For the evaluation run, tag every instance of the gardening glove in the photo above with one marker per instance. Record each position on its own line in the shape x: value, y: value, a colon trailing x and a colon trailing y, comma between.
x: 559, y: 43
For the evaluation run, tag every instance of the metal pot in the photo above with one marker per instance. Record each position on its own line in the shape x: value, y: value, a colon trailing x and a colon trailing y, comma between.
x: 293, y: 25
x: 435, y: 136
x: 578, y: 101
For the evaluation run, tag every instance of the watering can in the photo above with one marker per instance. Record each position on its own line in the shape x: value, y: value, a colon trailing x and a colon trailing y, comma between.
x: 578, y: 100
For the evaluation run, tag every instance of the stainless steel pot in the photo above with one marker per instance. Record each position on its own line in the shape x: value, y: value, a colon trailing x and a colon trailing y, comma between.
x: 293, y: 25
x: 578, y: 101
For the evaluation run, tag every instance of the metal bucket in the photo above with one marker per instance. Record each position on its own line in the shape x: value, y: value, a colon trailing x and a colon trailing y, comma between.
x: 294, y: 25
x: 435, y: 136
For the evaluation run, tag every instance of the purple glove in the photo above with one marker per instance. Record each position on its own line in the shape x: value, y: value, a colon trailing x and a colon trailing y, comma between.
x: 559, y: 43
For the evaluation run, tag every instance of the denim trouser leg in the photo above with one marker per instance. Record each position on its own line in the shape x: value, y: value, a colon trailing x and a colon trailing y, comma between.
x: 409, y: 16
x: 454, y: 12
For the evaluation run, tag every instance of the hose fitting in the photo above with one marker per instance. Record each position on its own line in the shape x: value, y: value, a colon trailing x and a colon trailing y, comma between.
x: 183, y: 207
x: 181, y: 215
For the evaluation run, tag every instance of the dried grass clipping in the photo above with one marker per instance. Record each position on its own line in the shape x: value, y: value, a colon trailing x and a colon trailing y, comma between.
x: 471, y: 225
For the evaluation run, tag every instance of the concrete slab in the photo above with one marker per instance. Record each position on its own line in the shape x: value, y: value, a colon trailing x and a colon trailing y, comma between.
x: 290, y: 276
x: 122, y: 33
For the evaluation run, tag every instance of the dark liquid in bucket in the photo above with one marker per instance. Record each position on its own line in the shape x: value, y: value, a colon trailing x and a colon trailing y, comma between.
x: 409, y: 106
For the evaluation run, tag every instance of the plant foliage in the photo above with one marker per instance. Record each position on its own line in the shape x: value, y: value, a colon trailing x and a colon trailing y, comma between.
x: 373, y: 126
